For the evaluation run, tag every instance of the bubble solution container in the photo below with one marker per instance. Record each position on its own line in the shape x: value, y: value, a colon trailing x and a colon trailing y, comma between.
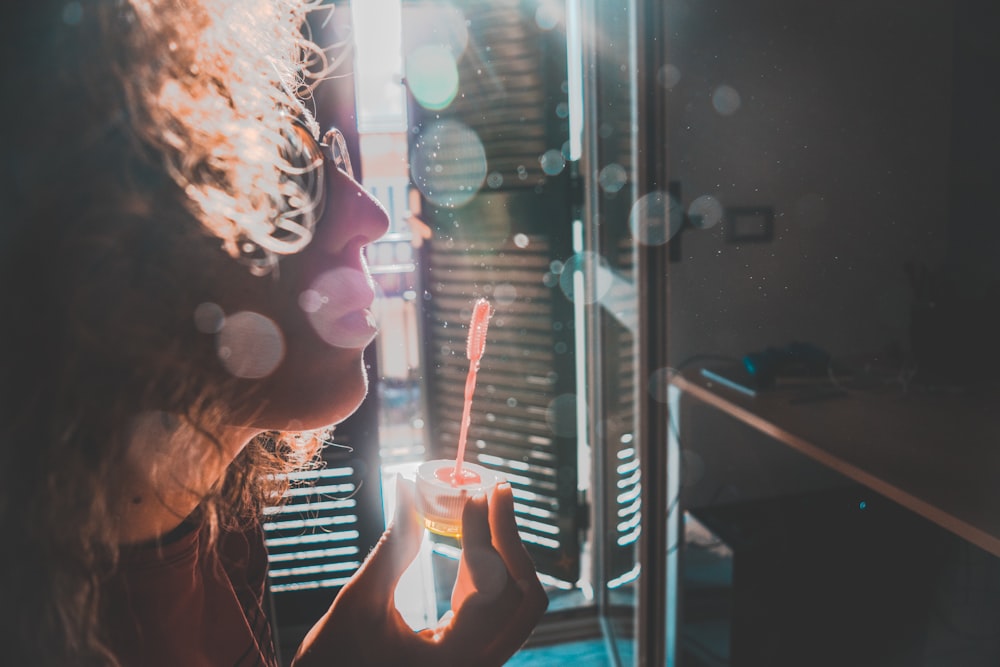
x: 441, y: 498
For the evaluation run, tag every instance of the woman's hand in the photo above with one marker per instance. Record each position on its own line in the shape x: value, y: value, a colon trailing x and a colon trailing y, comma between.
x: 497, y: 600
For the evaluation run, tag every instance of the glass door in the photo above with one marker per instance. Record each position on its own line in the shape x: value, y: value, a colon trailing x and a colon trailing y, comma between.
x: 517, y: 146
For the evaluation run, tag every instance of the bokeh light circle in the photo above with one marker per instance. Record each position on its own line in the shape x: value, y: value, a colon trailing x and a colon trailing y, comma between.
x: 706, y: 211
x: 655, y: 218
x: 209, y: 318
x: 612, y: 178
x: 590, y: 271
x: 726, y: 100
x: 669, y: 76
x: 552, y: 162
x: 311, y: 301
x: 335, y: 307
x: 432, y: 76
x: 250, y: 345
x: 548, y: 15
x: 448, y: 163
x: 504, y: 294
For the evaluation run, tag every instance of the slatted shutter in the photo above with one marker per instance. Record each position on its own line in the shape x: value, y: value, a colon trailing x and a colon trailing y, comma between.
x: 521, y: 422
x: 507, y: 244
x: 620, y: 472
x: 330, y: 520
x: 613, y: 160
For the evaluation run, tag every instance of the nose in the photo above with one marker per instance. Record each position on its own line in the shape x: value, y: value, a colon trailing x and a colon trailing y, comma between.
x: 350, y: 215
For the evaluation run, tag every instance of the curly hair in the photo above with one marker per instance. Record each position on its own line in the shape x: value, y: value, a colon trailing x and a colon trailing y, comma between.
x: 155, y: 137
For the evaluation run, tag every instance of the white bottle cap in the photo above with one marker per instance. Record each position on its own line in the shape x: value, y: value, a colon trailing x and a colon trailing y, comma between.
x: 441, y: 501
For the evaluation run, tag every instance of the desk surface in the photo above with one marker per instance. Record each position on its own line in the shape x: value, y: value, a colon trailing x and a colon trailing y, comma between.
x: 937, y: 455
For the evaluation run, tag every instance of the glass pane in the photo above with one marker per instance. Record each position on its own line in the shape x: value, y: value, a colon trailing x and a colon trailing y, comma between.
x: 836, y: 276
x: 609, y: 261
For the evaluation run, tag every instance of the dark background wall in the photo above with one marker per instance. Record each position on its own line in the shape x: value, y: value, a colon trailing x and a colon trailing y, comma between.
x: 869, y: 130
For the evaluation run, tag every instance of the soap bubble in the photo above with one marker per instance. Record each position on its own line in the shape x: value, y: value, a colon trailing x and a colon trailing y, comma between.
x: 250, y: 345
x: 448, y: 163
x: 705, y: 211
x: 668, y: 76
x: 612, y: 178
x: 590, y: 271
x: 726, y: 100
x: 209, y: 318
x: 504, y: 294
x: 311, y: 301
x: 655, y: 218
x: 552, y: 162
x: 548, y: 15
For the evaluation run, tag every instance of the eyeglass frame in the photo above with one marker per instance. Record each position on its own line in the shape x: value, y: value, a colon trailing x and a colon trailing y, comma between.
x: 332, y: 149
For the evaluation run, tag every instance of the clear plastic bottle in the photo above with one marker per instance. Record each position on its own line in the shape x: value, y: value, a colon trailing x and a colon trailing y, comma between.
x: 423, y: 593
x: 441, y: 498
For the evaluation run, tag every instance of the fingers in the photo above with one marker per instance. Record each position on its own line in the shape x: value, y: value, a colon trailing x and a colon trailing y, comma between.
x: 377, y: 578
x: 481, y: 566
x: 506, y: 598
x: 532, y: 598
x: 506, y: 539
x: 485, y: 594
x: 476, y: 523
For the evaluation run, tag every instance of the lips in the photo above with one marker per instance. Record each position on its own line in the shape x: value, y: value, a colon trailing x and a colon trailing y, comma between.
x: 337, y: 305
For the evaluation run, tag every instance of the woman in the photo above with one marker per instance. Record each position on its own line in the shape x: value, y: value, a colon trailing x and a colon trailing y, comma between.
x: 186, y: 308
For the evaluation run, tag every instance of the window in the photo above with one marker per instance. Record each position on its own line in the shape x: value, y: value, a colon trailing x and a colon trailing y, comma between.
x: 482, y: 139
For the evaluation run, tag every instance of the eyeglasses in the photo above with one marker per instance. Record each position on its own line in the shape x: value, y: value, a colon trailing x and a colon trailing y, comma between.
x: 305, y: 195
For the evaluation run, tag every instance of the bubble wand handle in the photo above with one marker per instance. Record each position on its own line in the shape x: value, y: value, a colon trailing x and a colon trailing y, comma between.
x: 474, y: 349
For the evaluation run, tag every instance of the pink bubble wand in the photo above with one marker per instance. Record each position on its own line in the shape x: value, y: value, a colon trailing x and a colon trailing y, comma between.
x: 474, y: 349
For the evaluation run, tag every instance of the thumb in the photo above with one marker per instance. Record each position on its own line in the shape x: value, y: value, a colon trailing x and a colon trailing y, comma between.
x: 397, y: 548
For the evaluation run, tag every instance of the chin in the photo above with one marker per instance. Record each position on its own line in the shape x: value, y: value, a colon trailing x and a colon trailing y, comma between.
x: 319, y: 402
x: 335, y: 411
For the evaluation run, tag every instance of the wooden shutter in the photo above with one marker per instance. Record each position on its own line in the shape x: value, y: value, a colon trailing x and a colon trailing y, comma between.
x: 506, y: 244
x: 522, y: 414
x: 620, y: 473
